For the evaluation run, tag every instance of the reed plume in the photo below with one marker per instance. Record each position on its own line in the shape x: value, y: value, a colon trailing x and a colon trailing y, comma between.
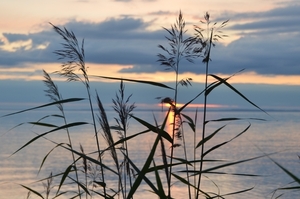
x: 74, y: 58
x: 53, y: 93
x: 124, y: 111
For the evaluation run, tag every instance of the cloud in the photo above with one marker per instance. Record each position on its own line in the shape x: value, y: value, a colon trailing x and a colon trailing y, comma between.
x: 161, y: 12
x: 268, y: 42
x: 13, y: 37
x: 123, y: 0
x: 272, y: 49
x: 113, y: 28
x: 269, y: 56
x: 132, y: 0
x: 124, y: 40
x: 118, y: 41
x: 19, y: 49
x: 284, y: 19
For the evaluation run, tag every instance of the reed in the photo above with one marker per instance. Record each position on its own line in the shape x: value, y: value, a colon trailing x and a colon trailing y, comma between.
x: 91, y: 181
x: 207, y: 44
x: 53, y: 93
x: 179, y: 48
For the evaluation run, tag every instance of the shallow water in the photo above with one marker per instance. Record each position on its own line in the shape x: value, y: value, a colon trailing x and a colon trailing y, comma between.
x: 280, y: 133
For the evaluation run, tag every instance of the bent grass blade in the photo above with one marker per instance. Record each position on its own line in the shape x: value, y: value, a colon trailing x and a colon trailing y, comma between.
x: 56, y: 129
x: 46, y: 105
x: 224, y: 81
x: 33, y: 191
x: 226, y: 142
x: 163, y: 133
x: 146, y: 166
x: 136, y: 81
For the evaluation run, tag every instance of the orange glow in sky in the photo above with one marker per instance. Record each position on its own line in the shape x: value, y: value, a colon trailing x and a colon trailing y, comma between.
x: 197, y: 105
x: 113, y: 71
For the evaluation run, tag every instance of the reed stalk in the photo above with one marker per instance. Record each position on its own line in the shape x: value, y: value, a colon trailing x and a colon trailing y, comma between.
x: 181, y: 47
x: 124, y: 112
x: 206, y: 43
x: 74, y: 55
x: 204, y: 115
x: 53, y: 93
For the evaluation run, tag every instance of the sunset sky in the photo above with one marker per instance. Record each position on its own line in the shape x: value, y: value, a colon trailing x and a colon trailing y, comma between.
x: 121, y: 39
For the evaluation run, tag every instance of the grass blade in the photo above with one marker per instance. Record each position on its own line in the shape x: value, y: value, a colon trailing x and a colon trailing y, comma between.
x: 184, y: 181
x: 91, y: 159
x: 161, y: 192
x: 143, y: 172
x: 33, y: 191
x: 155, y: 190
x: 43, y: 124
x: 219, y: 145
x: 209, y: 137
x: 233, y: 119
x: 80, y: 185
x: 185, y: 105
x: 56, y: 129
x: 46, y: 105
x: 162, y: 133
x: 190, y: 122
x: 290, y: 188
x: 286, y: 171
x: 160, y: 167
x: 46, y: 156
x: 137, y: 81
x: 236, y: 91
x: 65, y: 175
x: 130, y: 137
x: 223, y: 165
x: 214, y: 85
x: 237, y: 192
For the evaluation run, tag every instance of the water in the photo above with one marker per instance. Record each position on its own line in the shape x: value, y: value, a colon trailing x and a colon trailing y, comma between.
x: 280, y: 134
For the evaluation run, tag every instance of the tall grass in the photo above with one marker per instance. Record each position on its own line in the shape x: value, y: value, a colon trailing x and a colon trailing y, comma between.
x: 53, y: 93
x: 179, y: 48
x: 207, y: 44
x: 188, y: 170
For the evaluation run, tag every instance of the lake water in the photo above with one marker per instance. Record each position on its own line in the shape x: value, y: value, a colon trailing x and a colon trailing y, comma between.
x: 280, y: 133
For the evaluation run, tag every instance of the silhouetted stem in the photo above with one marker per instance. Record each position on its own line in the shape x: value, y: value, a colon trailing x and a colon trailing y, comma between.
x: 173, y: 126
x: 73, y: 156
x: 96, y: 134
x: 186, y: 165
x: 204, y: 113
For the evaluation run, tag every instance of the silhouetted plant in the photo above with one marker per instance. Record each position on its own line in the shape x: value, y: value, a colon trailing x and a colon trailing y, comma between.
x: 53, y: 93
x: 124, y: 112
x: 74, y: 57
x: 181, y: 47
x: 292, y: 186
x: 206, y: 44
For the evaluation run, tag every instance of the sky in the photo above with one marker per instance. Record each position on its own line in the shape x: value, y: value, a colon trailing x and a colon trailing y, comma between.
x: 121, y: 39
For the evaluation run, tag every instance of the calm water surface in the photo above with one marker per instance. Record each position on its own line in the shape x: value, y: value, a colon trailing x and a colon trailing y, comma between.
x: 280, y: 133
